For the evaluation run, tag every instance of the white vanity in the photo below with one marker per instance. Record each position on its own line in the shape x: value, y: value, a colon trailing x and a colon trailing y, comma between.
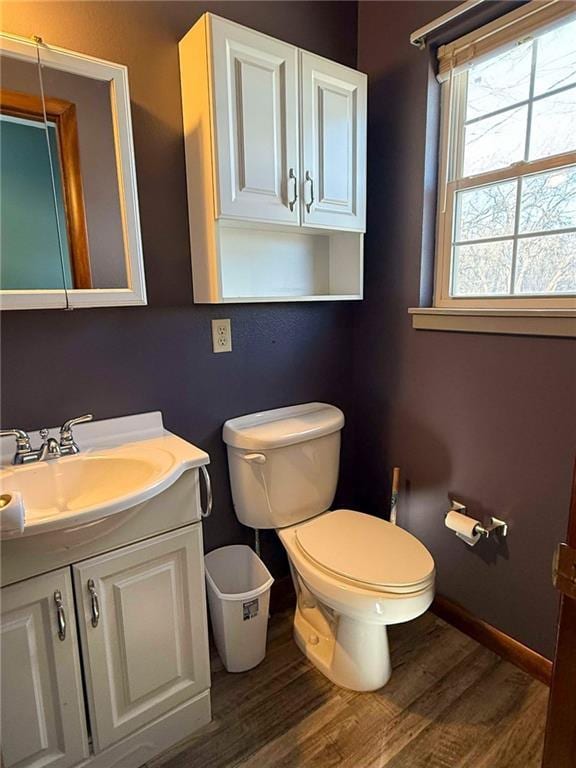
x: 104, y: 629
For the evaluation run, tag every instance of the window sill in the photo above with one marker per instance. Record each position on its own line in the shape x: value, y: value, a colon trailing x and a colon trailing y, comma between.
x: 526, y: 322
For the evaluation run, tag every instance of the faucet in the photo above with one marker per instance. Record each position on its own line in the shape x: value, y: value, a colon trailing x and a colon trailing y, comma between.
x: 50, y: 448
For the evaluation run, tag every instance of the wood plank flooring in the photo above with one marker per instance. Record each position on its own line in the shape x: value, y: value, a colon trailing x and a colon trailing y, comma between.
x: 449, y: 704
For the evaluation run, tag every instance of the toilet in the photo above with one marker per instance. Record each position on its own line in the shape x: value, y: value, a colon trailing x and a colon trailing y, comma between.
x: 354, y: 574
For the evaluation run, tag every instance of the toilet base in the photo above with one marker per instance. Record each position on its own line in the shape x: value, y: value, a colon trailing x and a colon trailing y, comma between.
x: 350, y: 653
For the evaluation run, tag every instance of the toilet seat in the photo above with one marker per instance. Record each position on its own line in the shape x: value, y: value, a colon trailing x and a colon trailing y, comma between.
x: 366, y: 551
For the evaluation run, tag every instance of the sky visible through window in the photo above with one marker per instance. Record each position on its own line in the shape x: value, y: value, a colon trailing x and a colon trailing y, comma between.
x: 518, y: 237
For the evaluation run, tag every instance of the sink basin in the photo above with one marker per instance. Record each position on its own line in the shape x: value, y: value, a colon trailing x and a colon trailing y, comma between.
x: 77, y: 490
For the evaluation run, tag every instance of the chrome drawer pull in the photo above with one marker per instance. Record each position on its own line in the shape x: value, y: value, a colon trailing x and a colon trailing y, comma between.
x: 94, y: 603
x: 60, y: 615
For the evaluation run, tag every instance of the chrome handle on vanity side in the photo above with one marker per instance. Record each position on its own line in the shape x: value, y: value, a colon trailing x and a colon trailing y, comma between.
x: 95, y: 605
x: 311, y: 180
x: 209, y: 499
x: 292, y: 175
x: 60, y: 615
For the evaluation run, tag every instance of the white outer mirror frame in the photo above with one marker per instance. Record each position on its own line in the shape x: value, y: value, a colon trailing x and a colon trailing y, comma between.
x: 117, y: 76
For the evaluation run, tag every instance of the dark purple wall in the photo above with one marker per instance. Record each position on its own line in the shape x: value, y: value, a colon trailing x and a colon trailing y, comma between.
x: 487, y: 418
x: 117, y: 361
x: 490, y: 419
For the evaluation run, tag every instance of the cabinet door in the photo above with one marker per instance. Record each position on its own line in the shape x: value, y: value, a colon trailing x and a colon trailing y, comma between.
x: 333, y: 144
x: 142, y: 619
x: 255, y: 103
x: 42, y: 706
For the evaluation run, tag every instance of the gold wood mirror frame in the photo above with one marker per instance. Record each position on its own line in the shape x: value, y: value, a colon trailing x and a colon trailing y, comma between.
x: 62, y: 114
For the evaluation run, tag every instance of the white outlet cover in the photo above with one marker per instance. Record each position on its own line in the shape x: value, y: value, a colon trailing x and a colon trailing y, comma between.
x: 221, y: 336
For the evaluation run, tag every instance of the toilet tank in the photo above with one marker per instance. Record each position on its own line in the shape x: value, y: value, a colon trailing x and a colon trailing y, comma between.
x: 284, y: 463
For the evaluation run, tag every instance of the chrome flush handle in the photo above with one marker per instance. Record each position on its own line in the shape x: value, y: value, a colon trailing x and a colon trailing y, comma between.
x: 292, y: 175
x: 254, y: 458
x: 60, y: 615
x: 95, y: 605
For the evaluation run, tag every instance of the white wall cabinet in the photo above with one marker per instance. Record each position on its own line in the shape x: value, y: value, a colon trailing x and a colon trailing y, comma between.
x: 143, y: 630
x: 276, y: 168
x: 142, y: 624
x: 42, y: 707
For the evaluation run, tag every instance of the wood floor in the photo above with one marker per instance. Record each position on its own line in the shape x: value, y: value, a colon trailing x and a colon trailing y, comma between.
x: 449, y: 704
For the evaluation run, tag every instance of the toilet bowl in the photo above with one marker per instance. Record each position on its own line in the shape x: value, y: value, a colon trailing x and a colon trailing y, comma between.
x: 354, y: 574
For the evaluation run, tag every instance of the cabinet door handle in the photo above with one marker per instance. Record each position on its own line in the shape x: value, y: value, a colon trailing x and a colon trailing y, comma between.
x: 311, y: 180
x: 95, y: 606
x: 209, y: 499
x: 60, y: 615
x: 292, y: 175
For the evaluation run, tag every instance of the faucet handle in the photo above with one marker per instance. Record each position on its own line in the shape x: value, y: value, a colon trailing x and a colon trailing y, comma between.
x: 66, y: 428
x: 44, y: 433
x: 22, y: 438
x: 23, y: 447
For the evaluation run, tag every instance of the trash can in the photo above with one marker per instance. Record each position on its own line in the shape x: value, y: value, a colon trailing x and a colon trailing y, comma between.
x: 239, y: 596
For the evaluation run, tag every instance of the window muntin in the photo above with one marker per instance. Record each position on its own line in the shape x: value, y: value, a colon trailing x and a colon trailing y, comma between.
x: 505, y: 233
x: 507, y: 221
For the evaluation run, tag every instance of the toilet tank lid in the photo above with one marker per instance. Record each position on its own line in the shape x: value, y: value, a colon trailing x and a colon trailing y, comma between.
x: 282, y: 426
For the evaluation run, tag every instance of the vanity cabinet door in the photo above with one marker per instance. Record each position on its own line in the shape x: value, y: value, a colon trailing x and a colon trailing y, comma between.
x: 142, y: 619
x: 255, y: 106
x: 42, y: 706
x: 333, y: 144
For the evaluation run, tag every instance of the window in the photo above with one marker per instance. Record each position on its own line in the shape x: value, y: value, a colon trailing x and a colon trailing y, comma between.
x: 507, y: 192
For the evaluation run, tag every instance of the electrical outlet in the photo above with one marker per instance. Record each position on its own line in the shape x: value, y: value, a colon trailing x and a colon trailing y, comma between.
x: 221, y: 336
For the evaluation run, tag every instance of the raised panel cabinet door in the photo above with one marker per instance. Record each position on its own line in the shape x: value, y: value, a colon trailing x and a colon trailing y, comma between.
x: 255, y: 103
x: 333, y: 144
x: 142, y: 619
x: 43, y: 720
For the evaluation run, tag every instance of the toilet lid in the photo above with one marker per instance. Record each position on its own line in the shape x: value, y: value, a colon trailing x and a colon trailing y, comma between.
x: 365, y: 549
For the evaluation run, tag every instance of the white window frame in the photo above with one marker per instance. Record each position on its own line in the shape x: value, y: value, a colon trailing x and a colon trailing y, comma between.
x: 549, y: 315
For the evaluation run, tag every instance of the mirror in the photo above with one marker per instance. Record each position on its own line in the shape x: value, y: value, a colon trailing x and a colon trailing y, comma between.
x: 70, y: 232
x: 30, y: 256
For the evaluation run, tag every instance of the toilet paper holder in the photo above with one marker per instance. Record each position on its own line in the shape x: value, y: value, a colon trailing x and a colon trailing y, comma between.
x: 494, y: 527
